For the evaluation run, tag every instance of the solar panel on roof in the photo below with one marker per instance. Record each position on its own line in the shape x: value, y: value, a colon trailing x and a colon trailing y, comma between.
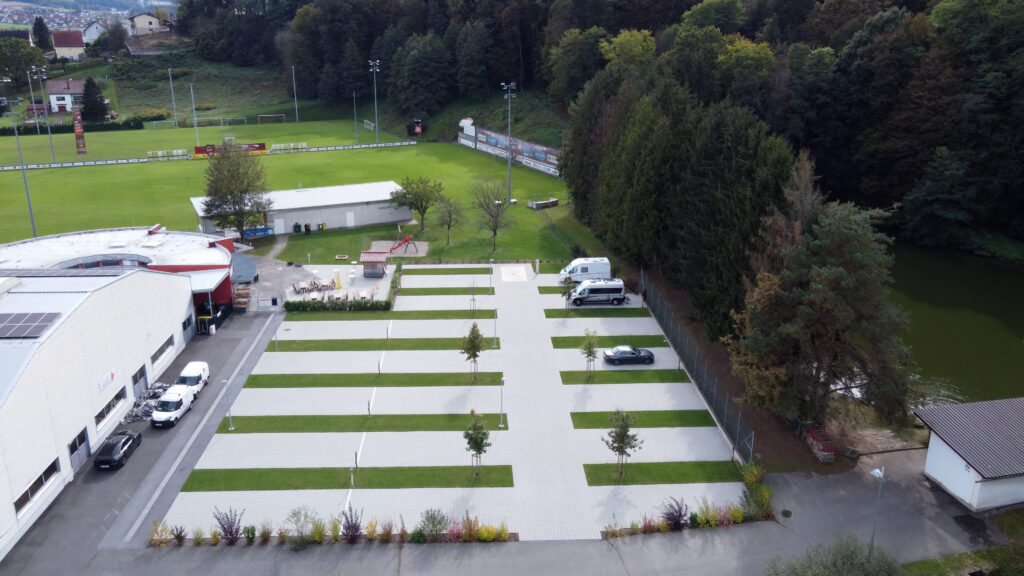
x: 26, y: 325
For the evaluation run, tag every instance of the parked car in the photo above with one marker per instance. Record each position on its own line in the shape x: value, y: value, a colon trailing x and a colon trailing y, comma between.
x: 582, y: 269
x: 609, y: 290
x: 628, y: 355
x: 116, y: 449
x: 195, y: 375
x: 174, y: 403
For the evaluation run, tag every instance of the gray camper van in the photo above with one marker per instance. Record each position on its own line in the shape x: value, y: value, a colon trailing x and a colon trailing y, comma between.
x: 599, y: 292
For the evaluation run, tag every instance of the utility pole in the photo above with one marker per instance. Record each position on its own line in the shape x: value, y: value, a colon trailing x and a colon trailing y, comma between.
x: 295, y: 95
x: 375, y: 67
x: 195, y: 121
x: 32, y: 99
x: 174, y: 106
x: 508, y: 88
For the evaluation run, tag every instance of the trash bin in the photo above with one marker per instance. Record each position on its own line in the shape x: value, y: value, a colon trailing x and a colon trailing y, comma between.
x: 296, y: 228
x: 322, y: 226
x: 213, y: 328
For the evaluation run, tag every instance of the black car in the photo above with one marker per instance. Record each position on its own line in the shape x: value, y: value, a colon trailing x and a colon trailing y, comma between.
x: 628, y: 355
x: 116, y: 449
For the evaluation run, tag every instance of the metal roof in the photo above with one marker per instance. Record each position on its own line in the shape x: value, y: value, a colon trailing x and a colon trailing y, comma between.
x: 206, y: 281
x: 323, y: 197
x: 373, y: 257
x: 987, y: 435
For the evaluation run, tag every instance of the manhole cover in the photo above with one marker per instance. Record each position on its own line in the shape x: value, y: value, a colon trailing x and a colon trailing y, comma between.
x: 786, y: 513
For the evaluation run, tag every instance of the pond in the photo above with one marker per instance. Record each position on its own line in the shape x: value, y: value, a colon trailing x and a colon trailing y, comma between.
x: 967, y: 320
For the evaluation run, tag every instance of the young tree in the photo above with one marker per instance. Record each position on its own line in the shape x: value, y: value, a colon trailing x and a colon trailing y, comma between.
x: 472, y: 345
x: 93, y: 108
x: 567, y: 287
x: 589, y: 350
x: 449, y: 214
x: 621, y: 440
x: 419, y: 194
x: 236, y: 187
x: 489, y: 198
x: 41, y: 35
x: 477, y: 440
x: 939, y: 210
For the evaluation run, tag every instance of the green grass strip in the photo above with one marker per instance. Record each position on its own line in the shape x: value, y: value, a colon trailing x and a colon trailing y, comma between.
x: 596, y: 313
x: 373, y: 344
x: 662, y: 473
x: 645, y: 341
x: 219, y: 480
x: 444, y: 271
x: 460, y: 291
x: 354, y: 423
x: 480, y: 314
x: 624, y: 376
x: 552, y: 267
x: 646, y: 419
x: 549, y: 289
x: 386, y: 380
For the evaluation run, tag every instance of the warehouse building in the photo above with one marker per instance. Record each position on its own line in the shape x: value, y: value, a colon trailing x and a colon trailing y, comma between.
x: 76, y: 347
x: 323, y: 208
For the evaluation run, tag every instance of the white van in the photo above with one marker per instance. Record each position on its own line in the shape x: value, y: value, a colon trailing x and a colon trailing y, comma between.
x: 174, y: 403
x: 599, y: 292
x: 195, y: 375
x: 582, y: 269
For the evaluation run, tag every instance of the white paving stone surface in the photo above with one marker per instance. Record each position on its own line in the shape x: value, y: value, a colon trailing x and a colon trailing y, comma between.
x: 550, y: 500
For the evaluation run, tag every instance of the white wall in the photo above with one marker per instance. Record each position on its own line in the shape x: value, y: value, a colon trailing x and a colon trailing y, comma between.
x: 946, y: 467
x: 996, y: 493
x: 336, y: 216
x: 116, y: 329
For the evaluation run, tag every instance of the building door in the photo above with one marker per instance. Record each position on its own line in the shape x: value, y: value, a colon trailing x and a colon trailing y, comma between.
x: 350, y: 219
x: 279, y: 226
x: 140, y: 383
x: 78, y: 449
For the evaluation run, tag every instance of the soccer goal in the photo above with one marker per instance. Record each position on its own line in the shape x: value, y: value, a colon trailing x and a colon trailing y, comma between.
x: 158, y: 124
x: 236, y: 121
x: 368, y: 125
x: 270, y: 119
x: 210, y: 121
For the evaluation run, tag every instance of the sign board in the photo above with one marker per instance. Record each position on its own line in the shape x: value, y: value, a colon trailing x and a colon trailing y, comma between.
x: 79, y: 132
x: 257, y: 232
x: 528, y: 154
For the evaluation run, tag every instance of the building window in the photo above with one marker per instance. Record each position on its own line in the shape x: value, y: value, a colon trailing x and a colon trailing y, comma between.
x: 163, y: 348
x: 37, y: 486
x: 139, y: 375
x: 110, y: 406
x: 186, y: 323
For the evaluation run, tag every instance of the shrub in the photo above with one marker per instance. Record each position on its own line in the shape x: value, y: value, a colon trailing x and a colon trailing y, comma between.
x: 648, y: 525
x: 707, y: 513
x: 317, y: 530
x: 150, y: 114
x: 486, y: 533
x: 664, y: 527
x: 299, y: 523
x: 469, y: 527
x: 752, y: 474
x: 694, y: 520
x: 434, y: 524
x: 335, y: 530
x: 454, y: 531
x: 371, y: 529
x: 161, y: 535
x: 265, y: 532
x: 336, y: 305
x: 418, y: 536
x: 282, y: 535
x: 634, y: 527
x: 503, y: 532
x: 756, y: 502
x: 675, y: 513
x: 214, y: 536
x: 230, y: 524
x: 386, y: 530
x: 178, y: 533
x: 198, y: 536
x: 250, y: 534
x: 205, y: 106
x: 352, y: 525
x: 722, y: 512
x: 403, y: 534
x: 735, y: 514
x: 844, y: 557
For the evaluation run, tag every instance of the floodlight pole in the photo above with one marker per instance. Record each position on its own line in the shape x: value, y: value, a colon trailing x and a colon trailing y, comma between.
x: 355, y: 119
x: 41, y: 75
x: 501, y: 412
x: 174, y: 106
x: 508, y: 88
x: 195, y: 121
x: 295, y: 95
x: 32, y: 98
x: 375, y: 67
x: 24, y: 177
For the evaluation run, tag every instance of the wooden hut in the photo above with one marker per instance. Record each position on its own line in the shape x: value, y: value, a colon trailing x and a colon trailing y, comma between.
x: 373, y: 264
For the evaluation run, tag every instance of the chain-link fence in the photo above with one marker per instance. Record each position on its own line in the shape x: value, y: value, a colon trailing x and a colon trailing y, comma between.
x: 728, y: 415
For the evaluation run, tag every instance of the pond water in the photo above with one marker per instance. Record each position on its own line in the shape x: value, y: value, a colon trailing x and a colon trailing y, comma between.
x: 967, y: 320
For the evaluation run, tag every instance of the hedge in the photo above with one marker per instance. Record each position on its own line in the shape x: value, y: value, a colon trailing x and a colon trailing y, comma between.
x: 132, y: 124
x: 349, y: 305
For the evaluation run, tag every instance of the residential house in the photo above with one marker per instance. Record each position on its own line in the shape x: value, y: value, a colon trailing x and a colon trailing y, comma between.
x: 65, y: 94
x: 68, y: 44
x: 93, y: 31
x: 145, y: 23
x: 25, y: 35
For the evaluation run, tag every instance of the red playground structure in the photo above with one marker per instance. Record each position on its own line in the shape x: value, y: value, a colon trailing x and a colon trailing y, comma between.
x: 406, y: 240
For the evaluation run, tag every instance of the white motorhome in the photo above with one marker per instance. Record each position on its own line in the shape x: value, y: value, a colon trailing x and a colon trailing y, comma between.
x: 174, y: 403
x: 599, y: 292
x: 582, y: 269
x: 195, y: 375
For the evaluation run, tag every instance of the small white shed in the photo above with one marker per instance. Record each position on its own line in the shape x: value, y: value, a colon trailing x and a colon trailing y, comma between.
x: 976, y: 451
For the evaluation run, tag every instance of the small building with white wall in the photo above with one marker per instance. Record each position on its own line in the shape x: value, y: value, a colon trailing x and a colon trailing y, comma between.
x: 76, y: 347
x: 349, y: 206
x: 976, y: 451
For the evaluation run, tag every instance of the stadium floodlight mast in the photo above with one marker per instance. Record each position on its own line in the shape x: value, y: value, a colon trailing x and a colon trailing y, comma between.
x: 295, y: 95
x: 195, y: 121
x: 375, y: 67
x: 21, y: 161
x: 40, y: 74
x: 174, y: 106
x: 31, y: 97
x: 508, y: 88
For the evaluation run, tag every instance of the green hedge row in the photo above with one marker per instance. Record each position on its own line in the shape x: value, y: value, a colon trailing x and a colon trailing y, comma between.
x: 132, y: 124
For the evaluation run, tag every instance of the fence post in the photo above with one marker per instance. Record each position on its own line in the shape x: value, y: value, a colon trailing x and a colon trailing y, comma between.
x: 739, y: 421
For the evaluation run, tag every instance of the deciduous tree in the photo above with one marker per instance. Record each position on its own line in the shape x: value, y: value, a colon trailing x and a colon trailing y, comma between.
x: 419, y: 194
x: 236, y: 187
x: 589, y: 349
x: 573, y: 61
x: 17, y: 58
x: 449, y: 214
x: 726, y: 15
x: 472, y: 345
x: 477, y: 440
x: 621, y: 440
x: 490, y: 198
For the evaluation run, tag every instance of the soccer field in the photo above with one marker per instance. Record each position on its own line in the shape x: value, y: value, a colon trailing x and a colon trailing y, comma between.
x: 67, y: 199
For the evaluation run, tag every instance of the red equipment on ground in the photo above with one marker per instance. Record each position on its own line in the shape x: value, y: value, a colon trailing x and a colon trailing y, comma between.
x: 405, y: 240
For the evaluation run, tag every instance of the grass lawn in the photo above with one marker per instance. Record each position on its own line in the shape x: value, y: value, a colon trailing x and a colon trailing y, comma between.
x: 387, y: 380
x: 373, y: 344
x: 218, y: 480
x: 355, y: 423
x: 552, y: 268
x: 596, y: 313
x: 662, y: 473
x: 464, y: 291
x: 1009, y: 558
x: 445, y: 271
x: 549, y: 289
x: 623, y: 376
x: 322, y: 247
x: 643, y: 341
x: 646, y: 419
x: 485, y: 314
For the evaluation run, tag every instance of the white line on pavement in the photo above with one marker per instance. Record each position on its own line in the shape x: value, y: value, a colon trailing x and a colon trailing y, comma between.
x: 195, y: 434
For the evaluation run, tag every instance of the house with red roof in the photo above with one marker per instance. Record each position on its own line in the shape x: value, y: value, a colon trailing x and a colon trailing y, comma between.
x: 68, y: 44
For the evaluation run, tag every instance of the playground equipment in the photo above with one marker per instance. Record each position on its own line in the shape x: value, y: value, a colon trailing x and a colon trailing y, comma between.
x: 407, y: 241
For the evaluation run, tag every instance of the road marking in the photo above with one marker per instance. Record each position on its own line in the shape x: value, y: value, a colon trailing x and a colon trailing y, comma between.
x: 195, y: 434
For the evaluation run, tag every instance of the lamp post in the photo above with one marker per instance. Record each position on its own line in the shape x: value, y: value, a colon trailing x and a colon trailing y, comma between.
x: 508, y: 88
x: 295, y: 95
x: 40, y: 74
x: 495, y: 345
x: 195, y: 121
x: 375, y: 67
x: 32, y: 97
x: 501, y: 412
x: 880, y: 474
x: 355, y: 117
x: 174, y: 106
x: 21, y: 161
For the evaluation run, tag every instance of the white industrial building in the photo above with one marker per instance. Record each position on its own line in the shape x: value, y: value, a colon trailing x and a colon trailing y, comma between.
x: 348, y: 206
x: 976, y: 451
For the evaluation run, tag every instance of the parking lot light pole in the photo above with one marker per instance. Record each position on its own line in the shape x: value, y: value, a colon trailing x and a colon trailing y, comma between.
x: 21, y: 162
x: 174, y: 106
x: 195, y: 121
x: 40, y: 74
x: 880, y: 474
x: 508, y: 88
x: 501, y: 412
x: 32, y: 99
x: 375, y: 67
x: 295, y: 95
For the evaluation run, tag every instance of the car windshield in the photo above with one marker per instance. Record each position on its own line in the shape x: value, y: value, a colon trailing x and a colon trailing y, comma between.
x: 189, y: 380
x: 108, y: 449
x: 168, y: 405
